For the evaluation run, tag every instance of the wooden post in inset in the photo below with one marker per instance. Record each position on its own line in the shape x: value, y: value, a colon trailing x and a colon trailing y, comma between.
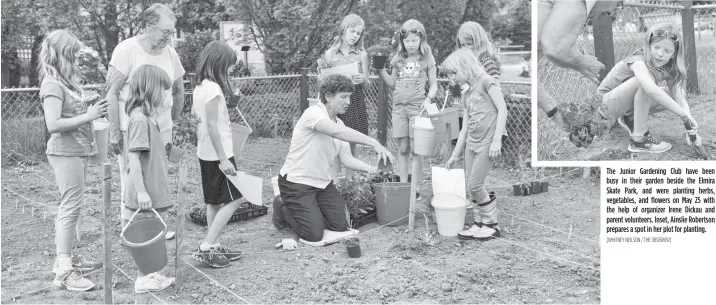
x: 181, y: 220
x: 687, y: 26
x: 106, y: 243
x: 413, y: 199
x: 604, y: 42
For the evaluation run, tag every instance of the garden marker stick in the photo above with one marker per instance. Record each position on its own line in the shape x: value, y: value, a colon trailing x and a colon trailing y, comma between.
x: 569, y: 237
x: 32, y: 212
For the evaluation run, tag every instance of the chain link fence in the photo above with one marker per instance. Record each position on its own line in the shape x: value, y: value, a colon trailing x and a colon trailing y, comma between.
x: 270, y: 104
x: 629, y: 25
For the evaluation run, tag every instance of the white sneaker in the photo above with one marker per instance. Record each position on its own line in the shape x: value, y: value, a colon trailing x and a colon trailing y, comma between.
x: 471, y: 232
x: 152, y: 282
x: 170, y: 235
x: 72, y: 281
x: 487, y: 232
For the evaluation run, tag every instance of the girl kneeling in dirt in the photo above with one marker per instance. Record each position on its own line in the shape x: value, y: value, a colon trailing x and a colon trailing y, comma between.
x: 71, y: 143
x: 484, y: 121
x: 147, y: 179
x: 311, y: 202
x: 631, y: 92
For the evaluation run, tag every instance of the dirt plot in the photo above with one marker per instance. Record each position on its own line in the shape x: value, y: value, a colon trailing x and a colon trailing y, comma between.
x: 549, y: 251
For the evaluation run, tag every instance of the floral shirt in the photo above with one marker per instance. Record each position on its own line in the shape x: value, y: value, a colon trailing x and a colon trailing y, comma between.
x: 76, y: 143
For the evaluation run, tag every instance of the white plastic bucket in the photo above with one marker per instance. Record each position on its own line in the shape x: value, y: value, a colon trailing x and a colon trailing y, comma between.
x: 274, y: 183
x: 239, y: 135
x: 450, y: 212
x: 101, y: 137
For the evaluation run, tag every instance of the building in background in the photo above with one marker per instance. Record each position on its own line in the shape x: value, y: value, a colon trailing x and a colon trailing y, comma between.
x: 238, y: 35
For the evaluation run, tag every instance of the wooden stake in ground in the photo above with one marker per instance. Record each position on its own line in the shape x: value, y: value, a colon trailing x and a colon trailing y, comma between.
x: 181, y: 220
x: 413, y: 190
x: 106, y: 244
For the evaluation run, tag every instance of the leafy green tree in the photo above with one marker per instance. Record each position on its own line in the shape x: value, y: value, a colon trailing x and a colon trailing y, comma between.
x: 480, y: 11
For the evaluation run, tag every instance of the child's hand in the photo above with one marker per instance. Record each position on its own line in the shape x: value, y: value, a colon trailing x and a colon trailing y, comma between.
x: 427, y: 102
x: 358, y: 78
x: 144, y: 201
x: 450, y: 162
x: 227, y: 168
x: 98, y: 109
x: 495, y: 148
x: 691, y: 121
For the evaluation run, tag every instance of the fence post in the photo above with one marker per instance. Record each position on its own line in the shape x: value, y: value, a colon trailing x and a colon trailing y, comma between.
x: 604, y: 42
x: 687, y: 25
x: 304, y: 89
x: 382, y: 113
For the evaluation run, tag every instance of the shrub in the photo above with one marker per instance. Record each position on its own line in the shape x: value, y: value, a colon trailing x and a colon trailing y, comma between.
x: 191, y: 47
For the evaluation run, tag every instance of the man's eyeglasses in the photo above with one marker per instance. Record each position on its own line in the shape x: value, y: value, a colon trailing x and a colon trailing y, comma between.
x: 405, y: 32
x: 167, y: 33
x: 667, y: 34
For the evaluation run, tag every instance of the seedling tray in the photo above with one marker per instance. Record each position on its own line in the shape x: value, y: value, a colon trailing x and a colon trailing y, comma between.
x: 244, y: 212
x: 365, y: 219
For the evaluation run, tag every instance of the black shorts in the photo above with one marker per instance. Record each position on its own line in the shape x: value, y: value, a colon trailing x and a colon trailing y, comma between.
x: 217, y: 188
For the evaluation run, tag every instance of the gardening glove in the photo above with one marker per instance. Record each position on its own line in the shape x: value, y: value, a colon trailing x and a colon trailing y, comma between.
x: 287, y: 244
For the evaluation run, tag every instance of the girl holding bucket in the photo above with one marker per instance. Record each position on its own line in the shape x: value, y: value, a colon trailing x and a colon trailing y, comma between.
x: 147, y: 179
x: 69, y: 122
x: 485, y: 115
x: 348, y: 48
x: 413, y: 66
x: 215, y: 150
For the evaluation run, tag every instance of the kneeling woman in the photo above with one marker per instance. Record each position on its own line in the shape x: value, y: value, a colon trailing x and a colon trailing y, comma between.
x: 311, y: 202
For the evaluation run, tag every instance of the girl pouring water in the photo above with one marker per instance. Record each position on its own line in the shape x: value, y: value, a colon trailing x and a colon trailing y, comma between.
x: 485, y: 115
x: 413, y: 67
x: 147, y: 180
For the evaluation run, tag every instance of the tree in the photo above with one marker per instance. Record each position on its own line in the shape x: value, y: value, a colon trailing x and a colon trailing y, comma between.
x: 291, y: 34
x: 191, y: 47
x: 480, y: 11
x: 202, y: 15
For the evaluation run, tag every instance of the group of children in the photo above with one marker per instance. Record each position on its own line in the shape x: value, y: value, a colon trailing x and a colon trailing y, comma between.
x: 473, y: 67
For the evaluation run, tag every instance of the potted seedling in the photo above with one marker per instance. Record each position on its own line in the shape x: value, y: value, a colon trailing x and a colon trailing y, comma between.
x: 379, y: 54
x: 522, y: 188
x: 536, y: 184
x: 353, y: 246
x: 359, y: 198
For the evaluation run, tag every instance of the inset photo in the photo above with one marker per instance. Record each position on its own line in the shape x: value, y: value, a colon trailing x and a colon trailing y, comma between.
x: 626, y: 80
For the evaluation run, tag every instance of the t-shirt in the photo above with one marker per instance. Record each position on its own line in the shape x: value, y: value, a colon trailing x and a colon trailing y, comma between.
x: 127, y: 57
x: 622, y: 72
x: 311, y: 155
x: 412, y: 77
x: 78, y: 142
x: 482, y: 113
x: 143, y: 136
x: 205, y: 150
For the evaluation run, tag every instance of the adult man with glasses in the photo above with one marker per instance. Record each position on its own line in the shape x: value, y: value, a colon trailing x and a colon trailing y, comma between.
x: 149, y: 48
x: 559, y: 24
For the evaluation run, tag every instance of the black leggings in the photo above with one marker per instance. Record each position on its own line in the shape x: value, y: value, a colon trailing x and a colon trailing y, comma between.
x: 309, y: 210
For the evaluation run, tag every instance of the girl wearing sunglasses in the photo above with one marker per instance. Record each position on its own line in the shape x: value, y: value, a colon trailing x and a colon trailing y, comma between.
x: 413, y: 67
x: 650, y: 80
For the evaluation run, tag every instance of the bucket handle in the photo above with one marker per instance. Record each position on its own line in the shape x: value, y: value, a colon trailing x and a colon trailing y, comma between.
x: 243, y: 118
x: 445, y: 101
x: 132, y: 218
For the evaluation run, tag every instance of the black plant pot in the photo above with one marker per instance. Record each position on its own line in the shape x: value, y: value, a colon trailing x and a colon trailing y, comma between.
x: 455, y: 91
x: 536, y: 187
x: 517, y: 190
x: 379, y: 61
x: 353, y: 251
x: 545, y: 187
x: 526, y: 190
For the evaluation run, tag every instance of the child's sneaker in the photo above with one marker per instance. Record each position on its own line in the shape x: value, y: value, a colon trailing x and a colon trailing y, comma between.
x: 79, y: 263
x: 231, y: 255
x: 627, y: 122
x: 152, y: 282
x: 471, y: 232
x: 72, y: 281
x: 487, y: 231
x: 211, y: 257
x: 648, y: 144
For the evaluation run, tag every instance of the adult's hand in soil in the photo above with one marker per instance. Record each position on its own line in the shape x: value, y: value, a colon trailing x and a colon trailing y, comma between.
x: 591, y: 67
x: 227, y: 168
x: 144, y: 201
x: 287, y: 244
x: 383, y: 153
